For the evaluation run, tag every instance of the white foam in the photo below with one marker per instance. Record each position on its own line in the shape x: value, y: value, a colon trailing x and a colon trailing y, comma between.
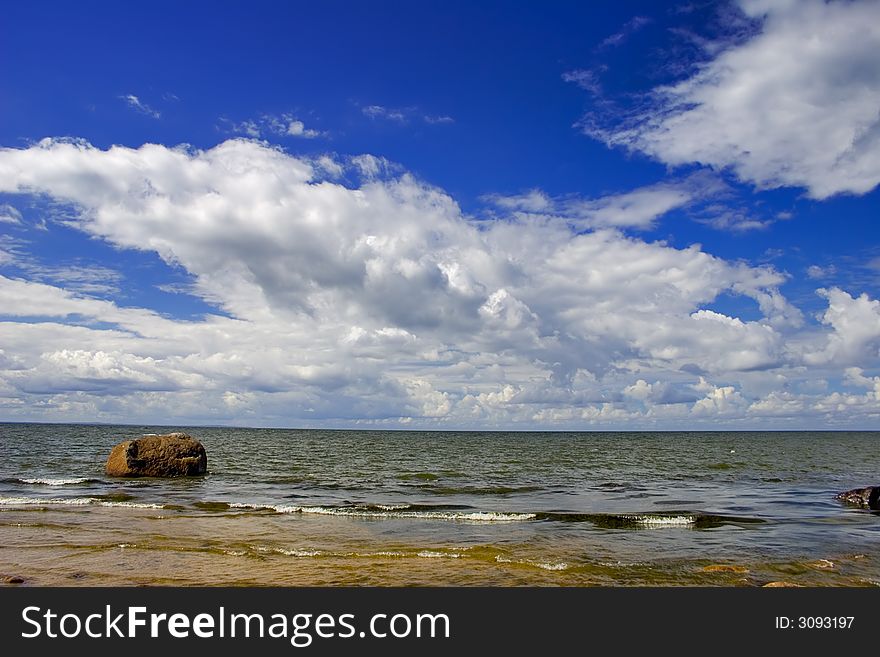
x: 53, y: 482
x: 476, y: 516
x: 298, y: 553
x: 73, y: 501
x: 537, y: 564
x: 664, y: 521
x: 431, y: 554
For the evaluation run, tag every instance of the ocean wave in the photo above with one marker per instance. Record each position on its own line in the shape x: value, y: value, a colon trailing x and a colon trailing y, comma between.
x: 74, y: 501
x: 543, y: 565
x: 687, y: 519
x: 56, y: 482
x: 433, y: 554
x: 299, y: 553
x: 451, y: 553
x: 376, y: 511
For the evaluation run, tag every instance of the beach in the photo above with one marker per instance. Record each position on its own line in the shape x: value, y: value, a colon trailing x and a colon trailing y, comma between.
x: 371, y: 508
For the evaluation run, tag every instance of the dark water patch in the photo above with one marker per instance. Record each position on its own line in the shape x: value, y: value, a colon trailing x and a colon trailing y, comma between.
x: 418, y: 476
x: 114, y: 497
x: 478, y: 490
x: 721, y: 466
x: 685, y: 519
x: 339, y: 486
x: 678, y: 502
x: 293, y: 479
x: 212, y: 506
x: 35, y: 525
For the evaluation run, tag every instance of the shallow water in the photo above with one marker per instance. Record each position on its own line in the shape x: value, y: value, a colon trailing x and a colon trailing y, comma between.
x: 307, y: 507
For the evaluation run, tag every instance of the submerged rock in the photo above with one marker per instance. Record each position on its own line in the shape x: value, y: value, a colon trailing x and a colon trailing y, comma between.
x: 171, y: 455
x: 724, y: 568
x: 868, y: 497
x: 782, y: 585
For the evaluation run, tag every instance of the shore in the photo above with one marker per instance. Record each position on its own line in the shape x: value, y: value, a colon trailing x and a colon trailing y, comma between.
x: 117, y: 546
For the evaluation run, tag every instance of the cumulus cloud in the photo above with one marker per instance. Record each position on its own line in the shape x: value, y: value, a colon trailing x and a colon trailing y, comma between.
x: 796, y: 104
x: 855, y: 335
x: 382, y: 302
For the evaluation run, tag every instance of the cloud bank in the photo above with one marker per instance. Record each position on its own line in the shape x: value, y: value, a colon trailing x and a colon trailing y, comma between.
x: 345, y: 294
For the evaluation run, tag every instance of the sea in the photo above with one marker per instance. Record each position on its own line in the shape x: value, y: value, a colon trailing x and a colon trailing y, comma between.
x: 286, y: 507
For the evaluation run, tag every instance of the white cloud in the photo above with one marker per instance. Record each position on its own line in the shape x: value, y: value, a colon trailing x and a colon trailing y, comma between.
x: 330, y: 166
x: 637, y: 209
x: 632, y: 26
x: 380, y: 112
x: 137, y: 104
x: 818, y: 272
x: 855, y: 335
x: 586, y: 79
x: 9, y: 214
x: 404, y: 114
x: 297, y: 128
x: 794, y: 105
x: 284, y: 125
x: 383, y: 302
x: 719, y: 401
x: 442, y: 118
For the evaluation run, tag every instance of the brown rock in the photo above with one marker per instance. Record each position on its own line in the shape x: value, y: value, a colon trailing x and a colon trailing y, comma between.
x: 171, y: 455
x: 868, y: 497
x: 782, y: 585
x: 12, y: 579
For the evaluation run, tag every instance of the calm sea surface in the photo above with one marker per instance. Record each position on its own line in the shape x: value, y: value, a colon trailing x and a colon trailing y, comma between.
x: 310, y: 507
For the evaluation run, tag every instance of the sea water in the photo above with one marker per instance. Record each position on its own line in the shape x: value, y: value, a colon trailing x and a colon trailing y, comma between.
x: 320, y: 507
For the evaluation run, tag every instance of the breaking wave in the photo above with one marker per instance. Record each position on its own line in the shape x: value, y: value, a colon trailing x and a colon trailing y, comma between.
x: 74, y: 501
x: 420, y: 512
x: 56, y: 482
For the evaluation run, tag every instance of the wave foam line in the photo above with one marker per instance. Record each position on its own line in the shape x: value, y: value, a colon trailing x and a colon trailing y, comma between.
x: 74, y: 501
x: 537, y: 564
x: 454, y: 553
x: 475, y: 516
x: 54, y: 482
x: 663, y: 521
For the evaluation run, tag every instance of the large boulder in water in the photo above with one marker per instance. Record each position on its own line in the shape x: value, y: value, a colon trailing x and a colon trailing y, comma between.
x: 868, y: 497
x: 171, y: 455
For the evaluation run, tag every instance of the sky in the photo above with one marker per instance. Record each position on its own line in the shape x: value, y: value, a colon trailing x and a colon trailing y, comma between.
x: 441, y: 215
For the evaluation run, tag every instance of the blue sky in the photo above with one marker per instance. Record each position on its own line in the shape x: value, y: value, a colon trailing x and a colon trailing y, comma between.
x: 441, y: 215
